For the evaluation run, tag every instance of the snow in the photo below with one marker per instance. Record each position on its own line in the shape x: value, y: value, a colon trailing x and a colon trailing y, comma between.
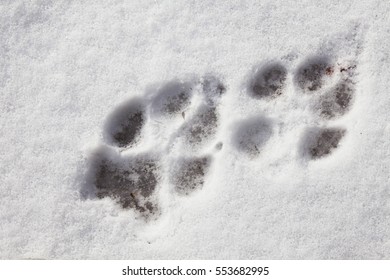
x: 69, y: 68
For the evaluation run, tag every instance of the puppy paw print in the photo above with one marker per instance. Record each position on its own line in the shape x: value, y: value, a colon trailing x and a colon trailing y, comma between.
x: 163, y: 136
x: 167, y: 138
x: 328, y: 87
x: 331, y: 85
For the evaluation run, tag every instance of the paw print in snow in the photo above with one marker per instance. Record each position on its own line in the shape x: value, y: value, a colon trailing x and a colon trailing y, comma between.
x: 177, y: 124
x: 332, y: 86
x: 133, y: 178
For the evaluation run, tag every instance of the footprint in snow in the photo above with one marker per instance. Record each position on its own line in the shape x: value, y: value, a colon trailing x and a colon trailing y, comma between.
x: 133, y: 181
x: 330, y: 84
x: 332, y: 87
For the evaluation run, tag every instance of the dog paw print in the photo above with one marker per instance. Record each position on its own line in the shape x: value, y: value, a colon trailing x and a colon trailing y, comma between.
x: 332, y: 86
x: 187, y: 118
x: 167, y: 137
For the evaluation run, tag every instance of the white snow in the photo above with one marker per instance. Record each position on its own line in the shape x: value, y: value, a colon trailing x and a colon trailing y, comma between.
x: 67, y: 66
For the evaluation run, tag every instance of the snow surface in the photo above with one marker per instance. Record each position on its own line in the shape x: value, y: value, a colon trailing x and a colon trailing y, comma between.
x: 67, y: 66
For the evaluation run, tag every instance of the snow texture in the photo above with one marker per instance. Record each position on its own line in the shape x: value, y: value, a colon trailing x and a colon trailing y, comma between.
x: 194, y: 129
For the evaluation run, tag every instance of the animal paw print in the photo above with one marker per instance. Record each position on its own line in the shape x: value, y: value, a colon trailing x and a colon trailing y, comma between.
x: 176, y: 124
x: 332, y: 86
x: 167, y: 137
x: 329, y: 84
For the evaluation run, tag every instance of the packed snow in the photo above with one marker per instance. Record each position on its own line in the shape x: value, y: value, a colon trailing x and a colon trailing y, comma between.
x: 194, y: 129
